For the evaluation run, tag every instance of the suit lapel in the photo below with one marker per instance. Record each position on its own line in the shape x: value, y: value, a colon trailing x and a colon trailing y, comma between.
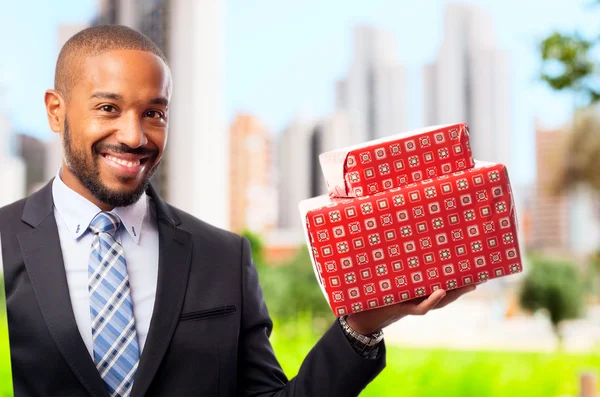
x: 43, y: 260
x: 175, y: 251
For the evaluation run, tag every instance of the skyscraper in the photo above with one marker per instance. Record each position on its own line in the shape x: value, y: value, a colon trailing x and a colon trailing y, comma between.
x: 195, y: 170
x: 329, y: 133
x: 470, y: 82
x: 253, y: 198
x: 12, y: 168
x: 374, y: 92
x: 300, y: 174
x: 549, y: 212
x: 295, y: 163
x: 33, y: 151
x: 565, y: 223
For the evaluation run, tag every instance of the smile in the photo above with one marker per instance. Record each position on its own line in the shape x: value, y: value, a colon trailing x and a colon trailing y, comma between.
x: 124, y: 162
x: 126, y: 165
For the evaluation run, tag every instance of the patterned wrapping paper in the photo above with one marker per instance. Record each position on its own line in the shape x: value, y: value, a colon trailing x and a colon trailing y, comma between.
x: 397, y: 160
x: 402, y: 244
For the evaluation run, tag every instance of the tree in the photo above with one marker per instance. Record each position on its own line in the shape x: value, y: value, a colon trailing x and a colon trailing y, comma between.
x: 555, y: 287
x: 569, y: 65
x: 580, y: 162
x: 291, y: 289
x: 257, y: 247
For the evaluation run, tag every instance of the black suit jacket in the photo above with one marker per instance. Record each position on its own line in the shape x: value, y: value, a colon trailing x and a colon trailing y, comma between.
x: 209, y: 333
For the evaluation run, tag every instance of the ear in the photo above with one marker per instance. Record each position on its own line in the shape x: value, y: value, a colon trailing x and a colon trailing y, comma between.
x: 55, y: 110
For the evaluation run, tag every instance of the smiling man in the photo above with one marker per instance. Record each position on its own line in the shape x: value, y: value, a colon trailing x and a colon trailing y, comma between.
x: 113, y: 292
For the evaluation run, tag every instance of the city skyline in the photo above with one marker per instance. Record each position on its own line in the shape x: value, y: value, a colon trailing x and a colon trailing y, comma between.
x: 373, y: 93
x: 258, y: 65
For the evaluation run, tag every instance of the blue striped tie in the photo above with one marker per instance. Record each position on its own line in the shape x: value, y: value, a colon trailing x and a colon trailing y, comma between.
x: 116, y: 349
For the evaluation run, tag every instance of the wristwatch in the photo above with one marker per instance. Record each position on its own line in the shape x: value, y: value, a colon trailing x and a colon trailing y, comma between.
x: 366, y: 345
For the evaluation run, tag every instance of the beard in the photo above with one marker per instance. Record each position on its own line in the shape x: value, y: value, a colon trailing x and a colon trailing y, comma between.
x: 87, y: 170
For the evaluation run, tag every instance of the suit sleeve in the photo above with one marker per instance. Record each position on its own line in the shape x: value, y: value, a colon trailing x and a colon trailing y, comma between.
x: 331, y: 368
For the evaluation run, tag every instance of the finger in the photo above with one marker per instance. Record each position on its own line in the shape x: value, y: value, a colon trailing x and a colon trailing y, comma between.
x: 428, y: 303
x: 454, y: 294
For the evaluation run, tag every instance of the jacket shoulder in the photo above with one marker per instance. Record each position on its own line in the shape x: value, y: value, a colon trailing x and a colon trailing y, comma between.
x: 11, y: 213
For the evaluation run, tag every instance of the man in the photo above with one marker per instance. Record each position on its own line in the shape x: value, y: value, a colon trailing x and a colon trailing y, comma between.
x: 111, y: 291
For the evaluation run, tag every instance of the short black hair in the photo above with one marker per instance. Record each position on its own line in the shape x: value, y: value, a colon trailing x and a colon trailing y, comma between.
x: 95, y: 41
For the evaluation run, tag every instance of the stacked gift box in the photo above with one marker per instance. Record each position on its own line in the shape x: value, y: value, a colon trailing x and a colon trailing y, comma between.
x: 406, y: 215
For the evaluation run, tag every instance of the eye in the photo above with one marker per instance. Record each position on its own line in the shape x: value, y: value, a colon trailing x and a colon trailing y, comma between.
x: 155, y: 114
x: 108, y: 108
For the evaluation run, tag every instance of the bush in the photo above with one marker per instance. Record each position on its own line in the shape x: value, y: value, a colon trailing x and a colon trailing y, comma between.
x: 292, y: 289
x: 555, y: 287
x: 593, y: 274
x: 256, y: 246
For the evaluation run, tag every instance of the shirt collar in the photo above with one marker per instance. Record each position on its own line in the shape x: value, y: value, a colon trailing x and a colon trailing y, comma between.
x: 78, y: 212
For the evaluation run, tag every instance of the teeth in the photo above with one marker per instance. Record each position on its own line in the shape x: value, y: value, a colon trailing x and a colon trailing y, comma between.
x: 123, y: 162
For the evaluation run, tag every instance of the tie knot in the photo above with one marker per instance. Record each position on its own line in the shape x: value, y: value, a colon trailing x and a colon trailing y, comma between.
x: 105, y: 222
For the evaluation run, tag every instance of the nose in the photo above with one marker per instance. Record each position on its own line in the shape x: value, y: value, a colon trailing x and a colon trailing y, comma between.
x: 132, y: 132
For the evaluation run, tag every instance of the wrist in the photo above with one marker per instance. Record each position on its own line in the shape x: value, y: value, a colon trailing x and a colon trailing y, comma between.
x: 358, y: 340
x: 359, y: 328
x: 368, y: 346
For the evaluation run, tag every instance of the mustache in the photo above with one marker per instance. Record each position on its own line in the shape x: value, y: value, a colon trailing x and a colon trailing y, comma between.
x: 122, y: 148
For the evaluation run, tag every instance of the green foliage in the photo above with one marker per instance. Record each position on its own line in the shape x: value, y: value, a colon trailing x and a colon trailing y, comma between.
x: 592, y: 276
x: 292, y: 288
x: 568, y: 65
x: 556, y: 287
x: 450, y: 373
x: 257, y: 246
x: 595, y: 262
x: 5, y: 366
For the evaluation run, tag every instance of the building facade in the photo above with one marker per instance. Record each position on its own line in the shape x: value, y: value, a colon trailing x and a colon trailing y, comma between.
x: 12, y: 167
x: 374, y: 94
x: 470, y: 82
x: 295, y: 167
x: 253, y: 197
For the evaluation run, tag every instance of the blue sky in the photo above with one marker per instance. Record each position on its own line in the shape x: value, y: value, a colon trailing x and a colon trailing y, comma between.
x: 281, y: 57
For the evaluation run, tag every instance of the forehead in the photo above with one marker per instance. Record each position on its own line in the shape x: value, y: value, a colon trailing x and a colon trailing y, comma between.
x: 130, y: 73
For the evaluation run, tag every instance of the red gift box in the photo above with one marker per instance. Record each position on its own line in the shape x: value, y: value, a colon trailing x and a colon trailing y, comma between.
x: 397, y: 160
x: 404, y: 243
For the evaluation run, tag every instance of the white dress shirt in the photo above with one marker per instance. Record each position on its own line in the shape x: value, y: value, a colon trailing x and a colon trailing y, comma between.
x: 74, y: 214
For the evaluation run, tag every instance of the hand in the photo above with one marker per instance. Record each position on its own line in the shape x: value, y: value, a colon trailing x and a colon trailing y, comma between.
x: 371, y: 321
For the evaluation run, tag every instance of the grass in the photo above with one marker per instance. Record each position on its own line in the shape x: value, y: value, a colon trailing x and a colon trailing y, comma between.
x: 6, y: 389
x: 422, y: 372
x: 448, y: 373
x: 5, y: 368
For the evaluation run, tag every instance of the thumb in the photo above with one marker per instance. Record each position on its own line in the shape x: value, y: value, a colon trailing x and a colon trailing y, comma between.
x: 429, y: 303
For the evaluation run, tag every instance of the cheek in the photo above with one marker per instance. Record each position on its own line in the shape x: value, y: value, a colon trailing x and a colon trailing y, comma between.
x: 159, y: 140
x: 86, y: 135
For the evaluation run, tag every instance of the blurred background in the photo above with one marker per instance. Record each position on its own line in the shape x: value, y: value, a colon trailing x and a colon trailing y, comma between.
x: 262, y: 87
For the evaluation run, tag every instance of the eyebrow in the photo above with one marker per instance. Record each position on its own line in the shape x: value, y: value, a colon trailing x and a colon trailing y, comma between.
x: 116, y: 97
x: 159, y: 101
x: 106, y: 95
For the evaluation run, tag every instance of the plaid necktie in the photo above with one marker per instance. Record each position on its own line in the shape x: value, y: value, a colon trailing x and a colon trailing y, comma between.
x: 116, y: 349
